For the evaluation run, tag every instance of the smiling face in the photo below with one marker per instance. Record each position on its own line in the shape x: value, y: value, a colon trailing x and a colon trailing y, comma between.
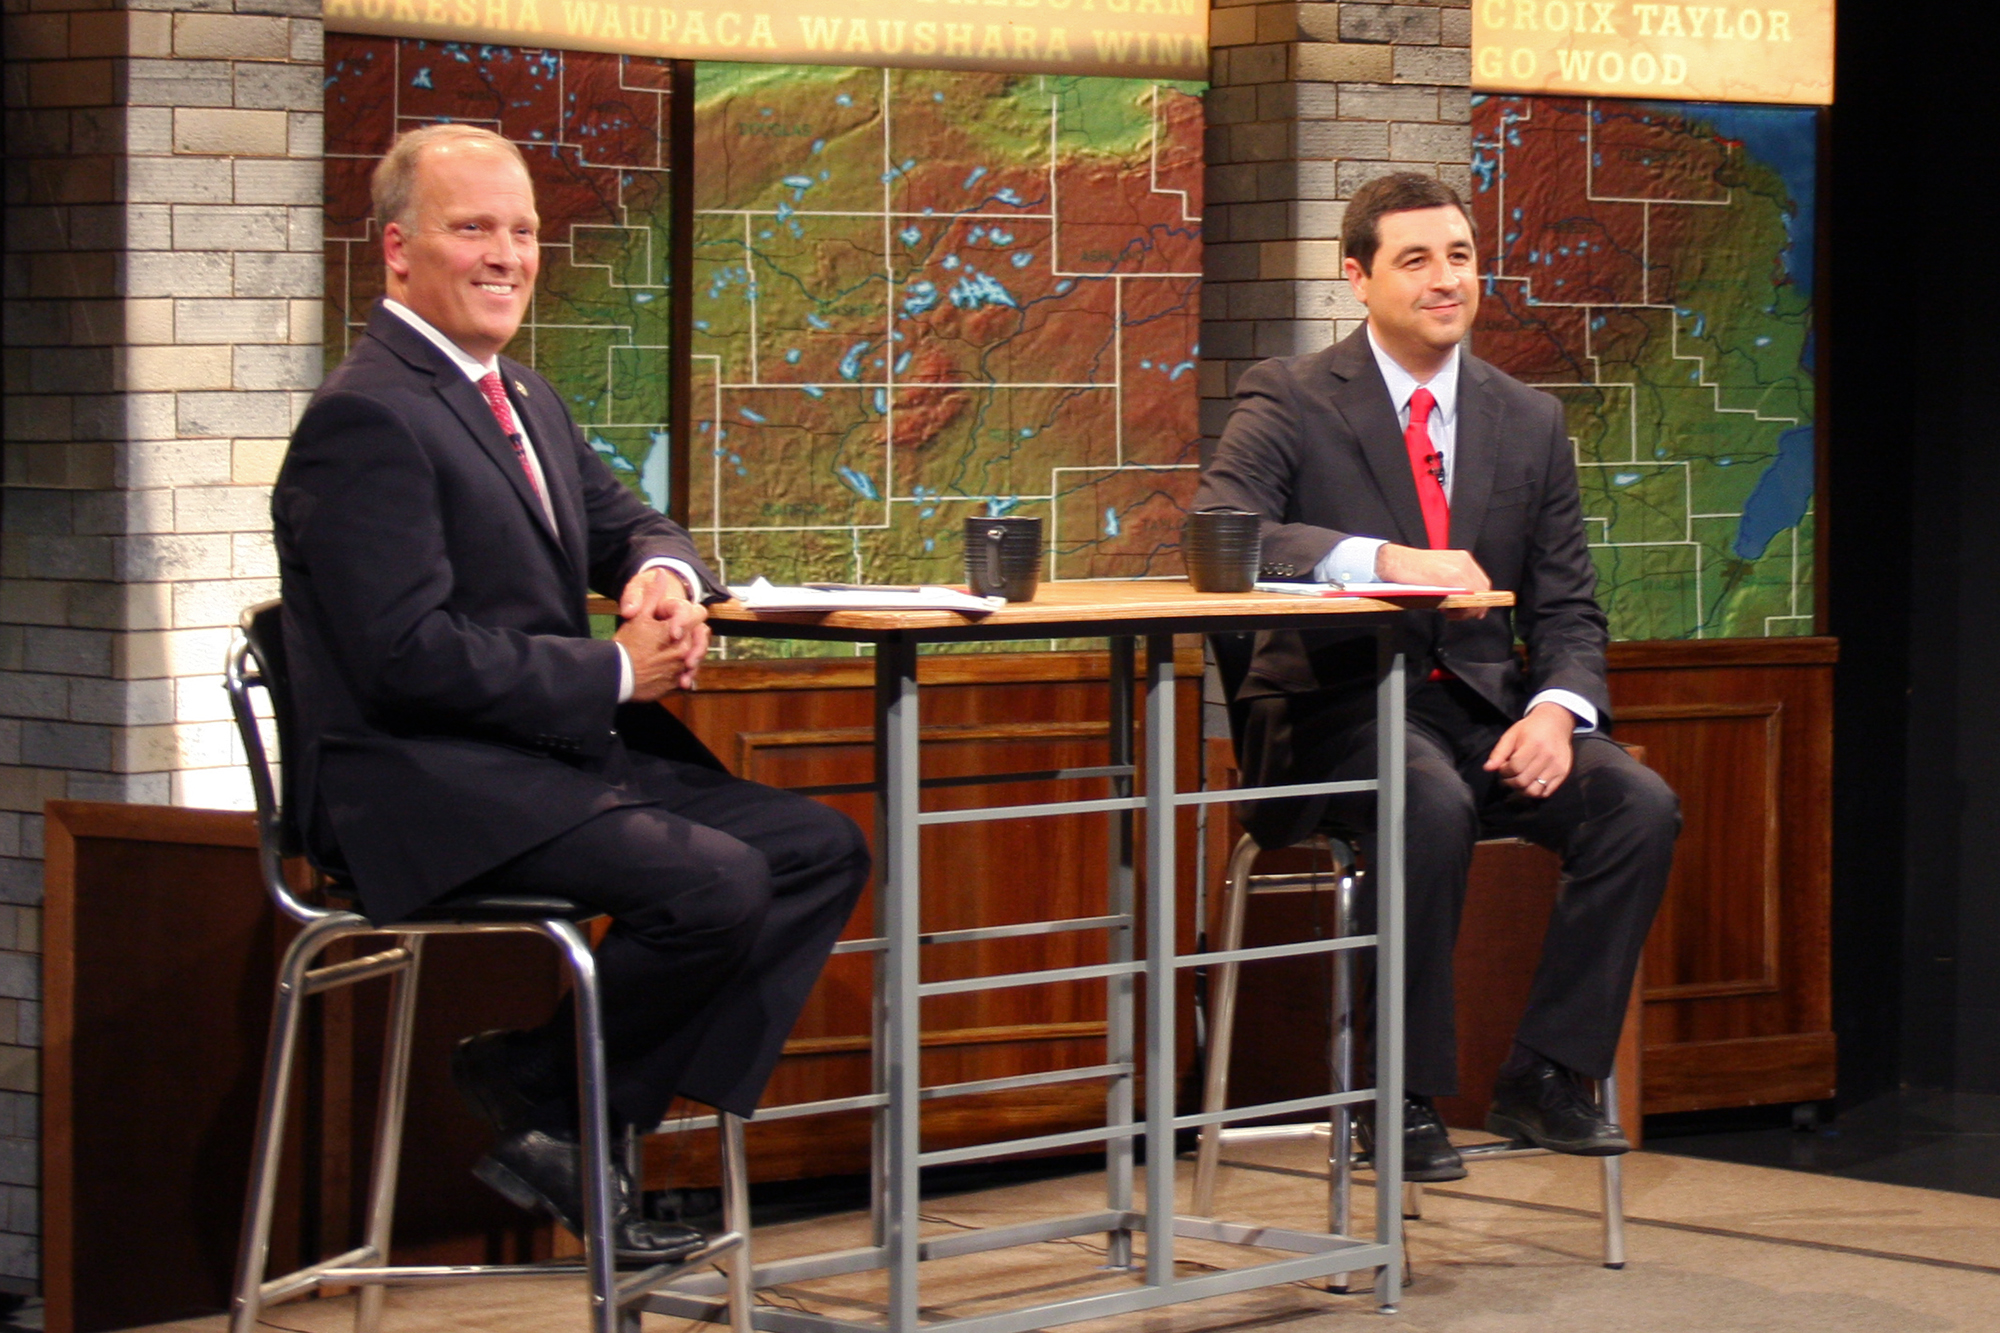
x: 466, y: 256
x: 1422, y: 289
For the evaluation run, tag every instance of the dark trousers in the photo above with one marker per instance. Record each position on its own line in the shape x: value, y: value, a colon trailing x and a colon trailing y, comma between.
x: 725, y: 897
x: 1613, y: 822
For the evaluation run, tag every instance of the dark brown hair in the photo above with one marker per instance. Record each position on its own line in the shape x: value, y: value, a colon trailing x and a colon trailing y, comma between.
x: 1399, y: 192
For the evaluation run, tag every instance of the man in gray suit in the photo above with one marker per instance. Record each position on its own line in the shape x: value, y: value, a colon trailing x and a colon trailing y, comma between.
x: 1398, y: 456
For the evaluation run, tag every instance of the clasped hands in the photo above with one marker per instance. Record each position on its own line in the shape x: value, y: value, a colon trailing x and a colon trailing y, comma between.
x: 1533, y: 755
x: 664, y: 633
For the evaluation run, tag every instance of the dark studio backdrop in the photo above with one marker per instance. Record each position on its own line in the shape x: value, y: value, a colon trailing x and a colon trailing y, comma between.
x: 1913, y: 561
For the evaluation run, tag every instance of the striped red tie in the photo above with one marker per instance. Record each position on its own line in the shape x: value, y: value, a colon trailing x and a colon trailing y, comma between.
x: 503, y: 412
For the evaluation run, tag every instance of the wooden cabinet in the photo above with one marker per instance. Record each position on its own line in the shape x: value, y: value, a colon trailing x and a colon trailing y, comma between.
x: 1738, y: 998
x: 1735, y: 988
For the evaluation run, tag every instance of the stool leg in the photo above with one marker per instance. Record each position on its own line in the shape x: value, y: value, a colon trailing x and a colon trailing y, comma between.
x: 389, y: 1127
x: 1340, y: 1138
x: 1614, y: 1183
x: 736, y: 1218
x: 265, y: 1154
x: 1222, y: 1026
x: 635, y: 1166
x: 594, y: 1113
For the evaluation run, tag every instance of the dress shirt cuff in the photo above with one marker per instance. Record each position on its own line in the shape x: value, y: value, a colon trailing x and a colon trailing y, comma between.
x: 1351, y: 561
x: 625, y: 682
x: 695, y: 589
x: 1586, y: 712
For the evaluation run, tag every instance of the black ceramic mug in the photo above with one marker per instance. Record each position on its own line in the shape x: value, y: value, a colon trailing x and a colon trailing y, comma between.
x: 1003, y: 557
x: 1222, y: 549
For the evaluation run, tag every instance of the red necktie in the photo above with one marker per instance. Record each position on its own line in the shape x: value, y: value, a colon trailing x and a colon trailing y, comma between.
x: 1427, y: 467
x: 503, y: 412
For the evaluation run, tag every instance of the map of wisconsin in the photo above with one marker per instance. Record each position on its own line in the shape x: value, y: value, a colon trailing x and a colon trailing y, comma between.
x: 1651, y: 265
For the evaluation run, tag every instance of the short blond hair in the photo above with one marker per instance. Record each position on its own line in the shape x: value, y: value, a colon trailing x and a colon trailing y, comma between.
x: 393, y: 188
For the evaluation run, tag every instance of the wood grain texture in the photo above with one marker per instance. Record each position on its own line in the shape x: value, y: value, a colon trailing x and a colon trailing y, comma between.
x: 162, y: 952
x: 1739, y: 962
x: 1708, y: 654
x: 1720, y: 936
x: 1743, y: 1071
x: 160, y: 955
x: 1075, y: 607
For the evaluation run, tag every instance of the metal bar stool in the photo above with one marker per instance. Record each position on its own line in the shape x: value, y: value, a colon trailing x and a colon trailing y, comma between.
x: 258, y: 661
x: 1231, y: 654
x: 1340, y: 1155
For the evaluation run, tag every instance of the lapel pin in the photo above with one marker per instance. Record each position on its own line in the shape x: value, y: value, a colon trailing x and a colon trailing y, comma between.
x: 520, y: 388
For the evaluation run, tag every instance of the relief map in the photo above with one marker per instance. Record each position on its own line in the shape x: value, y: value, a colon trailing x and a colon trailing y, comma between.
x: 919, y: 296
x: 1651, y: 264
x: 594, y: 130
x: 925, y: 296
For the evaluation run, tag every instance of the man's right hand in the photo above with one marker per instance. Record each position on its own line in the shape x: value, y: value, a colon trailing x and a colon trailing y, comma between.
x: 1442, y: 569
x: 660, y: 650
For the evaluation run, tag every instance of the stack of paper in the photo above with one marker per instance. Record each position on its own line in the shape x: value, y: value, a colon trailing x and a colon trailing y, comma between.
x: 766, y: 596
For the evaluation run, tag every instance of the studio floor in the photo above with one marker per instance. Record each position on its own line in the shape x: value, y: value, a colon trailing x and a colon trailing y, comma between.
x: 1714, y: 1247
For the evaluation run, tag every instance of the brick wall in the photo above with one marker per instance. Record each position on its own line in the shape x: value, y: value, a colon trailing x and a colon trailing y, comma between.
x: 1307, y: 103
x: 161, y: 331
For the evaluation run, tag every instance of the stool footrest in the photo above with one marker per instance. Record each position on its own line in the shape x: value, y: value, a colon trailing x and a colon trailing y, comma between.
x: 356, y: 969
x: 342, y: 1272
x: 305, y: 1279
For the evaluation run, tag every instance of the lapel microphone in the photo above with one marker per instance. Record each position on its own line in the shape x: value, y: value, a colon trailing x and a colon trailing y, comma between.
x: 1435, y: 462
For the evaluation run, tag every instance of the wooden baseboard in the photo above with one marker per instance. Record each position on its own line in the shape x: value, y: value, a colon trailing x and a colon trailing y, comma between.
x: 1746, y: 1071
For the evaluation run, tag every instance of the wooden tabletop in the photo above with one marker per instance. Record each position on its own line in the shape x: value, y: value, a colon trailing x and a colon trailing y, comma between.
x: 1082, y: 608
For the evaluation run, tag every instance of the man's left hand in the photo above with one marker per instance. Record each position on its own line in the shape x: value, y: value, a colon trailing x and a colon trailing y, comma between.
x: 1533, y: 757
x: 659, y: 593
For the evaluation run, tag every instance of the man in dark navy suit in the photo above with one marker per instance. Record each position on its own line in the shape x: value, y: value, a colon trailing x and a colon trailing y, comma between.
x: 1396, y: 455
x: 439, y: 522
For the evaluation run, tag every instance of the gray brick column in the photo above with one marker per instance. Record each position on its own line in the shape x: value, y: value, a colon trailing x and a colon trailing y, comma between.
x: 161, y: 330
x: 1308, y: 102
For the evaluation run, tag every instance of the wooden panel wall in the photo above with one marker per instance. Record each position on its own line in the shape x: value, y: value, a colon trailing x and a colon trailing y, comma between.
x: 1737, y: 1008
x: 142, y: 1209
x: 1736, y: 985
x: 809, y: 723
x: 157, y: 1004
x: 162, y: 951
x: 1738, y: 998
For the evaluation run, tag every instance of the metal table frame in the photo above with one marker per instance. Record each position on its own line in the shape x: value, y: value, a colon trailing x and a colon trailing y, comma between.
x: 898, y: 1093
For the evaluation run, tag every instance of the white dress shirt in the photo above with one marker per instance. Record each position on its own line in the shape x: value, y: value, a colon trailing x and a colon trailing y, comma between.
x: 476, y: 371
x: 1353, y: 559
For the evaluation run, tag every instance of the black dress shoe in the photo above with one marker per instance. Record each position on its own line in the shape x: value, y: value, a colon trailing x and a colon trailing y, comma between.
x: 1428, y: 1157
x: 1551, y: 1107
x: 492, y: 1072
x: 543, y: 1172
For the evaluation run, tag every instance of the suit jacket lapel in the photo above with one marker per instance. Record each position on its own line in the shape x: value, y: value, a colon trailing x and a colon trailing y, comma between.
x: 550, y: 432
x: 1362, y: 399
x: 469, y: 405
x: 1476, y: 455
x: 464, y: 399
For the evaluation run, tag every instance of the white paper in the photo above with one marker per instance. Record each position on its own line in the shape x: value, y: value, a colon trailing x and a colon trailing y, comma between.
x: 764, y: 595
x: 1362, y: 589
